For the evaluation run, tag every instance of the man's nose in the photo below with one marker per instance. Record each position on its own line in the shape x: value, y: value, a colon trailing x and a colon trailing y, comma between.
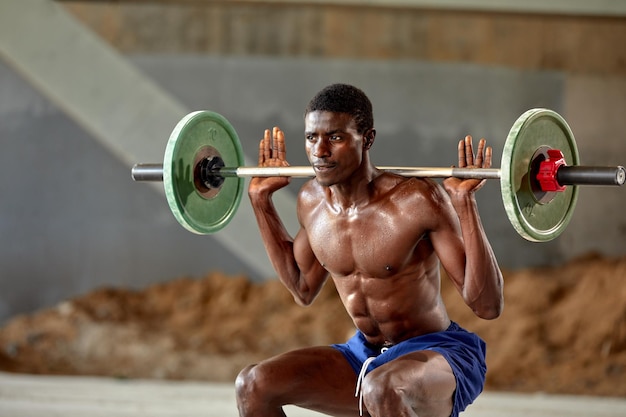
x: 321, y: 149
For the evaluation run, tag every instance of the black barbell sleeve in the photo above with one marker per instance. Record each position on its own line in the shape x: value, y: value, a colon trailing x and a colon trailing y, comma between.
x: 590, y: 175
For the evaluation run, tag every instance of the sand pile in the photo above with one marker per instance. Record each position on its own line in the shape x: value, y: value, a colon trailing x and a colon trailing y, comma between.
x: 563, y: 329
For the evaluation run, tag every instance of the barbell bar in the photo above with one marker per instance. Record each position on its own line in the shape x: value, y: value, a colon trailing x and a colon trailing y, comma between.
x: 565, y: 175
x: 154, y: 172
x: 204, y: 151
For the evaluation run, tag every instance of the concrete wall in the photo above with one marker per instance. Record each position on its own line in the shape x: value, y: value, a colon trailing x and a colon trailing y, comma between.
x: 575, y: 44
x: 71, y: 219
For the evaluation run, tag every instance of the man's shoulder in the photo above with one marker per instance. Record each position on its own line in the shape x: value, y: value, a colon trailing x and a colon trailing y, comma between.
x: 310, y: 192
x: 408, y: 187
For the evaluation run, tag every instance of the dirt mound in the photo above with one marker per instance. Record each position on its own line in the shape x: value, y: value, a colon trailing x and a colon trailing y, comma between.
x: 563, y: 329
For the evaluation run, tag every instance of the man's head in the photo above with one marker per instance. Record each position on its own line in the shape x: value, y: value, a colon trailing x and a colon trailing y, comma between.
x: 344, y: 98
x: 338, y: 128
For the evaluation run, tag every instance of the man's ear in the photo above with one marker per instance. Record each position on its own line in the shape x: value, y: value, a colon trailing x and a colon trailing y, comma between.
x: 368, y: 138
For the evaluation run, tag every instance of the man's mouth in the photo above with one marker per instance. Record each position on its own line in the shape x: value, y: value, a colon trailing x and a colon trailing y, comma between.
x: 323, y: 167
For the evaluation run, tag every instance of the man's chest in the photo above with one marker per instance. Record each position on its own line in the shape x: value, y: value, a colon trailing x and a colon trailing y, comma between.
x: 374, y: 242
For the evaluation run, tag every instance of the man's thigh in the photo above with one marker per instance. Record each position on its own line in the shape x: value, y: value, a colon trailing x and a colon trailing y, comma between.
x: 317, y: 378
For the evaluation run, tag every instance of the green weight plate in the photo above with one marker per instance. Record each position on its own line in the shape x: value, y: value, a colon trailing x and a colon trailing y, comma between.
x: 196, y: 208
x: 535, y: 218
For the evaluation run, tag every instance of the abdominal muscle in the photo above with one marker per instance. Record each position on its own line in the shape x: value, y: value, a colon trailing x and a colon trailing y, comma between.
x: 380, y: 257
x: 390, y: 309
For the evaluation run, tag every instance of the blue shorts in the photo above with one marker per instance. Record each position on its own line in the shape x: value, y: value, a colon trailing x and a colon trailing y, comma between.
x: 464, y: 351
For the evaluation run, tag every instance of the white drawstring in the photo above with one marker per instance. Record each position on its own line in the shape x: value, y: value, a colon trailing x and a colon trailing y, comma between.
x: 361, y: 377
x: 359, y: 380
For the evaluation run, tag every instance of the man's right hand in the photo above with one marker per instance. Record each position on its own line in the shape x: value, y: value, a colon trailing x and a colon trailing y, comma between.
x: 272, y: 153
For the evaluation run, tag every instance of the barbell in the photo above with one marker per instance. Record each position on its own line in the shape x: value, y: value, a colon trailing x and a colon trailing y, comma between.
x: 203, y: 173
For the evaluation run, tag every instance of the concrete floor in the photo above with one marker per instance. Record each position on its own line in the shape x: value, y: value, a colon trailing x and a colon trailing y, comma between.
x: 50, y: 396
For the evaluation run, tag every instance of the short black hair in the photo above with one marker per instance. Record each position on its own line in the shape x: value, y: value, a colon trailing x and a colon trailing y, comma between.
x: 344, y: 98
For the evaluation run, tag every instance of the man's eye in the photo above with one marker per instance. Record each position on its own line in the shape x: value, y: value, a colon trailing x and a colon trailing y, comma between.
x: 335, y: 137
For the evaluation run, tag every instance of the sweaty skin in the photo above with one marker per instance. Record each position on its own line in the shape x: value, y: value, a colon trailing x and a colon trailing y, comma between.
x: 382, y: 239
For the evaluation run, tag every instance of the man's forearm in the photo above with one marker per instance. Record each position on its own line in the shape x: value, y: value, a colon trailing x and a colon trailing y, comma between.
x: 482, y: 288
x: 278, y: 243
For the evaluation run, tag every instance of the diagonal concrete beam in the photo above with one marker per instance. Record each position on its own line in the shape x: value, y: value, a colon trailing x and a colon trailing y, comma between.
x: 110, y: 98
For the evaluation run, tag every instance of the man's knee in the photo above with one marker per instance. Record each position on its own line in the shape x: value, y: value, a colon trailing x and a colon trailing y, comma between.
x: 381, y: 393
x: 250, y: 382
x: 253, y: 391
x: 386, y: 392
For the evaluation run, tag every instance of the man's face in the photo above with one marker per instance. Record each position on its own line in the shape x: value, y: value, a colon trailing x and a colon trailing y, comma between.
x: 333, y: 145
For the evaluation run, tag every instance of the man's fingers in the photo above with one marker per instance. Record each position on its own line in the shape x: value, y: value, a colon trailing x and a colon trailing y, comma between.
x: 275, y: 141
x: 469, y: 151
x: 461, y: 153
x: 280, y: 138
x: 467, y: 158
x: 488, y: 155
x: 267, y: 143
x: 480, y: 153
x: 272, y: 149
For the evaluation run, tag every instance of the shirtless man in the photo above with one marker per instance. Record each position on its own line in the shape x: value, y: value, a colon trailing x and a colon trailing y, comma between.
x: 381, y: 238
